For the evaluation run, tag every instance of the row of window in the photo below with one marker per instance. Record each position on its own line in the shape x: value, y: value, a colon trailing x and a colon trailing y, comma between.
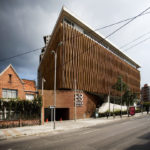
x: 8, y: 93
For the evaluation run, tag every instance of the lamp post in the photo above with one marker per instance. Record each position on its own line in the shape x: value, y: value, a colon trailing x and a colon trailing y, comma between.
x: 75, y: 107
x: 121, y: 99
x: 43, y: 80
x: 55, y: 55
x: 55, y: 59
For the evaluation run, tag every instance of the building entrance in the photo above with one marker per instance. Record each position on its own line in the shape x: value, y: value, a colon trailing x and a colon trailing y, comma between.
x: 61, y: 114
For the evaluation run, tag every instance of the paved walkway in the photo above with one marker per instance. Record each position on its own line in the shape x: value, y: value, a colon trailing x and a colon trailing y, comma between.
x: 60, y: 126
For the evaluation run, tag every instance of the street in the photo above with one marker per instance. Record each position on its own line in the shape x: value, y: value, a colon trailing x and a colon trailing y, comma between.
x: 132, y: 134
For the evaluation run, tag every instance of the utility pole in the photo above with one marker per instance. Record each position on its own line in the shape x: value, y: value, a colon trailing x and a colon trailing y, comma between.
x: 55, y: 59
x: 109, y: 102
x: 75, y: 91
x: 114, y: 109
x: 55, y: 55
x: 121, y: 99
x: 43, y: 80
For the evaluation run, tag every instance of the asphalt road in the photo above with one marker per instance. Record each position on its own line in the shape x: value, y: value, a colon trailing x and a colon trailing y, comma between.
x: 133, y: 134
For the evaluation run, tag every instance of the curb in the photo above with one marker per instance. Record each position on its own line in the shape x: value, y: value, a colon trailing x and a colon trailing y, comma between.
x: 106, y: 121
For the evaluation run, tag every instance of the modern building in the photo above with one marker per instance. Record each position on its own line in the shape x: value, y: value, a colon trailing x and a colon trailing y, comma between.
x: 145, y: 93
x: 12, y: 86
x: 86, y: 61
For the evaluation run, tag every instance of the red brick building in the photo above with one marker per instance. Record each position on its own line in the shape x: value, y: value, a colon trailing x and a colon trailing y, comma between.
x: 29, y: 88
x: 11, y: 86
x: 65, y: 105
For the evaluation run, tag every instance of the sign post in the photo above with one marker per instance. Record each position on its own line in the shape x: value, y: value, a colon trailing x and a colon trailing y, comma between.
x: 52, y: 110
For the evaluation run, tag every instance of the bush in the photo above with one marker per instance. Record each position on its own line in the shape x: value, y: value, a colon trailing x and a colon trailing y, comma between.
x: 116, y: 113
x: 24, y: 108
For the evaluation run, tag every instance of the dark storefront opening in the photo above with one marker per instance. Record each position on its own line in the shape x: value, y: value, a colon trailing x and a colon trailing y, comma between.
x: 61, y: 114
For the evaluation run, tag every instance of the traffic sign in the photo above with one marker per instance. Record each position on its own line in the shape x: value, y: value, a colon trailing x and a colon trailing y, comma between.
x: 51, y: 107
x: 79, y: 99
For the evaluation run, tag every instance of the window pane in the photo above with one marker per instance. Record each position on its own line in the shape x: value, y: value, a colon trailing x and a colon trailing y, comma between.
x: 29, y: 97
x: 4, y: 94
x: 7, y: 93
x: 14, y: 94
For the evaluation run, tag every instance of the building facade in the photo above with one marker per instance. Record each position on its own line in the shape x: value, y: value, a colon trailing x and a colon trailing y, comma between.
x: 11, y: 86
x: 145, y: 93
x: 29, y: 89
x: 85, y: 60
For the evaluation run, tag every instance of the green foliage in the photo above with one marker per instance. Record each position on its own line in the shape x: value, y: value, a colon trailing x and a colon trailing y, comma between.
x: 129, y: 97
x: 116, y: 113
x: 22, y: 106
x: 146, y: 104
x: 120, y: 85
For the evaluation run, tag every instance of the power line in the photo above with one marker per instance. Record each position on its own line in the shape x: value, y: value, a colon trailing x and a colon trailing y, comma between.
x: 108, y: 35
x: 4, y: 59
x: 137, y: 44
x: 126, y: 23
x: 121, y: 21
x: 125, y: 45
x: 131, y: 19
x: 112, y: 24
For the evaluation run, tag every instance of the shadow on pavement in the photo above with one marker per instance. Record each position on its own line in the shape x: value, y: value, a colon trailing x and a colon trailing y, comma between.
x: 145, y: 146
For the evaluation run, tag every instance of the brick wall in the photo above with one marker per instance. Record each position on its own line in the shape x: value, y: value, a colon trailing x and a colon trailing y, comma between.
x: 18, y: 123
x: 65, y: 99
x: 14, y: 84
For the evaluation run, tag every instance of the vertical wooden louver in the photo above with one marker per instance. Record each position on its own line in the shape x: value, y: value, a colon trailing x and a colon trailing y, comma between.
x: 94, y: 67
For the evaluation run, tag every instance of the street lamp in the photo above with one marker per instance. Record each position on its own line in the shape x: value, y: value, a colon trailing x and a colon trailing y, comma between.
x: 121, y: 99
x: 55, y: 55
x: 43, y: 81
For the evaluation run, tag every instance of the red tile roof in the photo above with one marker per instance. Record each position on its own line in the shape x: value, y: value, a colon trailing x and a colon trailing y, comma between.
x: 29, y: 85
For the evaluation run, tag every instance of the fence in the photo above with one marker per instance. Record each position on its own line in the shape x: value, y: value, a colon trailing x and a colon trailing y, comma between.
x: 14, y: 113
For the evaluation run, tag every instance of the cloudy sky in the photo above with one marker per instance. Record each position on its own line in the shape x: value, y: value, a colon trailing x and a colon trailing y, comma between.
x: 23, y: 23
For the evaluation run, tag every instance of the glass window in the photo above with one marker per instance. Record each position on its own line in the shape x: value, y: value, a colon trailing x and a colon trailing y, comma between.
x: 29, y: 97
x: 7, y: 93
x: 4, y: 94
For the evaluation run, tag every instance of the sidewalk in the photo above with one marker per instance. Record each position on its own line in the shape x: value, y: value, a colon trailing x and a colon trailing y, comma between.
x: 60, y: 126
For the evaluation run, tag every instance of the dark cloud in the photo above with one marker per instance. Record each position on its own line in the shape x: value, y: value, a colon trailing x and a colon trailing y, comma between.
x: 22, y: 27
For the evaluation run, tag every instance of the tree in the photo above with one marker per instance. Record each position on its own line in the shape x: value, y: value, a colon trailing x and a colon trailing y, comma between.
x: 121, y: 87
x: 128, y: 98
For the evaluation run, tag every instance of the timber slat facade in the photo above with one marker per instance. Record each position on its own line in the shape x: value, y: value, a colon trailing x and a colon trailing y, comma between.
x: 80, y: 58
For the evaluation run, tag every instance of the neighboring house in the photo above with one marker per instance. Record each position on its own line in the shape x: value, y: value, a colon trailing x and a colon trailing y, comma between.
x: 11, y: 86
x: 29, y: 89
x: 145, y: 93
x: 85, y: 60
